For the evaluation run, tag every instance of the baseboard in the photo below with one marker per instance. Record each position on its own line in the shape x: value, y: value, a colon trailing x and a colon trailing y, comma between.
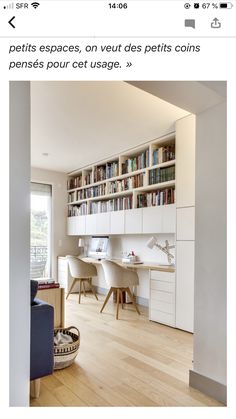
x: 208, y: 386
x: 140, y: 300
x: 100, y: 290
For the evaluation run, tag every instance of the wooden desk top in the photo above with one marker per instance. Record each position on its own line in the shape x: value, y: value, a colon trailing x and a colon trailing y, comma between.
x: 144, y: 265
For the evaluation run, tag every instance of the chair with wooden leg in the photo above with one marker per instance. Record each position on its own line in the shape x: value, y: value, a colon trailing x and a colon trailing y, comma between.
x: 119, y: 279
x: 82, y: 272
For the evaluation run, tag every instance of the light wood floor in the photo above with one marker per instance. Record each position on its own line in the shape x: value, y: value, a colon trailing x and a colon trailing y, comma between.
x: 125, y: 362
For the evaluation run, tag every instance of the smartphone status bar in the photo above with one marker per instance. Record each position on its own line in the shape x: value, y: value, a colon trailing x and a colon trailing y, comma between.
x: 117, y: 19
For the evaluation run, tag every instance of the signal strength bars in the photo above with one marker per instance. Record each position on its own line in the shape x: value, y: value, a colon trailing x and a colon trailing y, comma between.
x: 9, y: 6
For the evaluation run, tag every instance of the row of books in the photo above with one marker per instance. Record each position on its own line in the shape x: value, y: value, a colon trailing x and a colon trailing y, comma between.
x: 45, y: 284
x: 88, y: 178
x: 163, y: 154
x: 136, y: 163
x: 106, y: 171
x: 125, y: 184
x: 112, y: 169
x: 72, y: 197
x: 103, y: 189
x: 163, y: 174
x: 156, y: 198
x: 116, y: 204
x: 91, y: 192
x: 100, y: 173
x: 75, y: 182
x: 75, y: 210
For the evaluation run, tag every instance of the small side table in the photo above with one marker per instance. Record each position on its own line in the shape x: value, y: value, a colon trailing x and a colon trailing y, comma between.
x: 56, y: 298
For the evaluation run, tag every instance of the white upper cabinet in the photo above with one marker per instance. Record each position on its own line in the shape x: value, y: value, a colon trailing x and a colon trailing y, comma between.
x: 185, y: 161
x: 160, y: 219
x: 71, y: 226
x: 169, y: 218
x: 186, y: 223
x: 134, y: 221
x: 103, y: 223
x: 76, y: 225
x: 91, y: 224
x: 152, y: 220
x: 80, y: 223
x: 117, y: 225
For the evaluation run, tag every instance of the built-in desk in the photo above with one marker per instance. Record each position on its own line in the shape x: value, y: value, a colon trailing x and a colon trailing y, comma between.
x: 161, y: 287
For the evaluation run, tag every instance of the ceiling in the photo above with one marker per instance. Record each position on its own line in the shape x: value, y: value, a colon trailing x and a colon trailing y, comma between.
x: 194, y: 96
x: 77, y: 123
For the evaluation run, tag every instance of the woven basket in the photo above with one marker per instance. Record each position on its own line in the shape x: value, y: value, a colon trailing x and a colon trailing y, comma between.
x: 64, y: 355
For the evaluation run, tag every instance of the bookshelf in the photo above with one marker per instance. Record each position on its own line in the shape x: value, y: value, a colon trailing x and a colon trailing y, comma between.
x: 156, y: 184
x: 140, y: 177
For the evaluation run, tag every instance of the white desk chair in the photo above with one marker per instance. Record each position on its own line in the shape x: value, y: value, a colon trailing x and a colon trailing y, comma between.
x: 119, y: 279
x: 82, y: 272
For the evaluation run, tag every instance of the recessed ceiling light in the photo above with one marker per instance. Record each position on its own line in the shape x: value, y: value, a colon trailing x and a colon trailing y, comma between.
x: 44, y: 154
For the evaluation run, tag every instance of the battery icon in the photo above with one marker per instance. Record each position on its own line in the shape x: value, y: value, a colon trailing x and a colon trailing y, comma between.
x: 227, y: 5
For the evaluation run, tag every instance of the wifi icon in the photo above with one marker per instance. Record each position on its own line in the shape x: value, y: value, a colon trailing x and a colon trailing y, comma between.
x: 35, y: 4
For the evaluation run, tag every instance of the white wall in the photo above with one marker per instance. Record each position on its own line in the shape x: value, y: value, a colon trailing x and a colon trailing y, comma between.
x: 210, y: 251
x: 19, y: 243
x: 126, y: 243
x: 61, y: 243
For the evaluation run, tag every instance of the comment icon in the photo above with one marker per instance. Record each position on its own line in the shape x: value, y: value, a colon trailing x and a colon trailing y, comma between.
x: 189, y: 23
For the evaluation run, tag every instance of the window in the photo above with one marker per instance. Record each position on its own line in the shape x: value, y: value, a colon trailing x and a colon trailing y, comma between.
x: 40, y: 240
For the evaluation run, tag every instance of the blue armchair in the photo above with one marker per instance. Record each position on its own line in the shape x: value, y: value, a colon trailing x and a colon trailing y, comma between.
x: 41, y: 342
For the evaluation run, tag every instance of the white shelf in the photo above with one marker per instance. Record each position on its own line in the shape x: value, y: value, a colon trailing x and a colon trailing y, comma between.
x: 155, y: 186
x: 165, y: 164
x: 103, y: 197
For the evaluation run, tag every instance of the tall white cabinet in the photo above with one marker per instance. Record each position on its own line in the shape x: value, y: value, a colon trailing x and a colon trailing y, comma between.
x: 185, y: 221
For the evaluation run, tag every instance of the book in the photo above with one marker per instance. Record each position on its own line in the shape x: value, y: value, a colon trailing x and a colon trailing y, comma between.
x: 43, y: 281
x: 46, y: 286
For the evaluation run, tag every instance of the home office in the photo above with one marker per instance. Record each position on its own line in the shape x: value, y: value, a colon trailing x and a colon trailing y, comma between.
x: 125, y: 160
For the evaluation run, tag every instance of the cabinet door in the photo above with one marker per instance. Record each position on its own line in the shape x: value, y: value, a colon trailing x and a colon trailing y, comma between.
x: 71, y: 226
x: 80, y: 223
x: 186, y: 223
x: 185, y: 161
x: 169, y: 218
x: 103, y: 223
x: 152, y: 220
x: 117, y: 222
x: 185, y: 285
x: 91, y: 223
x: 162, y: 317
x: 162, y: 276
x: 133, y: 221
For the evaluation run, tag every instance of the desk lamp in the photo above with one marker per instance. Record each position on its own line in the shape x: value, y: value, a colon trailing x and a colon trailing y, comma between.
x: 153, y: 242
x: 81, y: 243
